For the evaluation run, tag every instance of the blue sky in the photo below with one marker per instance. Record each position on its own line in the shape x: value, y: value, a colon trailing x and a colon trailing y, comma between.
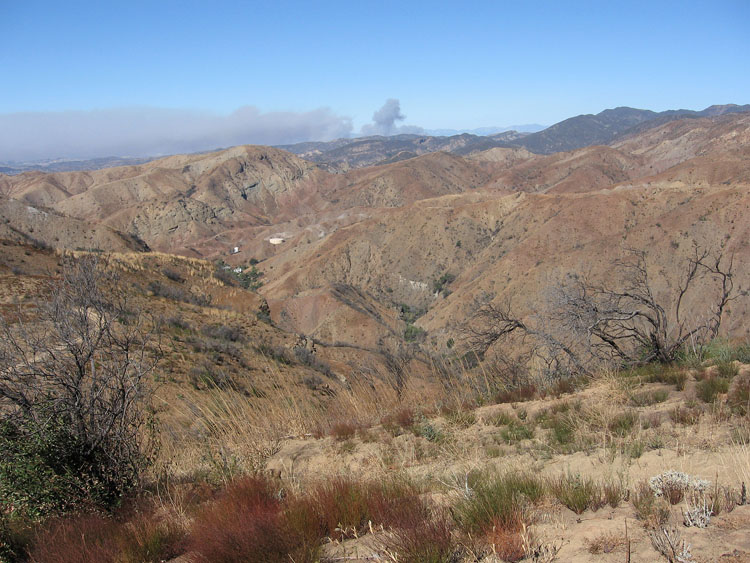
x: 450, y: 64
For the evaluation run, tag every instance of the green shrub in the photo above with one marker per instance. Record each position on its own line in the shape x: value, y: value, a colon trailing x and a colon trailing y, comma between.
x: 741, y: 353
x: 613, y: 493
x: 562, y: 431
x: 438, y: 285
x: 649, y: 509
x: 648, y: 398
x: 623, y: 423
x: 724, y: 351
x: 498, y: 500
x: 685, y: 414
x: 246, y: 278
x: 635, y: 449
x: 577, y: 493
x: 500, y: 419
x: 658, y: 373
x: 413, y: 333
x: 45, y: 469
x: 516, y: 431
x: 429, y: 432
x: 727, y: 369
x: 708, y: 389
x: 409, y: 315
x: 461, y: 418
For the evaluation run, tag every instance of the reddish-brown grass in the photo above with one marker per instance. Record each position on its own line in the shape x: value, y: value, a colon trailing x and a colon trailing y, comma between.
x: 342, y: 506
x: 343, y: 430
x: 85, y: 539
x: 96, y: 538
x: 519, y: 394
x: 507, y: 544
x: 422, y: 541
x: 244, y: 524
x: 395, y: 423
x: 404, y: 417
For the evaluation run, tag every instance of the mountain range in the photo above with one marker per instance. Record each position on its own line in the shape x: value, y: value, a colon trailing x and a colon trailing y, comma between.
x: 570, y: 134
x: 356, y: 247
x: 347, y: 153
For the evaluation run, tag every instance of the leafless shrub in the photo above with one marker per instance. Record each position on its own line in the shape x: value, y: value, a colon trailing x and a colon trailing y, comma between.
x: 629, y: 322
x: 670, y: 544
x: 698, y: 511
x: 78, y: 367
x: 583, y: 322
x: 493, y: 323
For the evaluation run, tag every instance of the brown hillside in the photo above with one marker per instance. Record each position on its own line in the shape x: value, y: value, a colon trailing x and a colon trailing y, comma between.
x: 391, y: 232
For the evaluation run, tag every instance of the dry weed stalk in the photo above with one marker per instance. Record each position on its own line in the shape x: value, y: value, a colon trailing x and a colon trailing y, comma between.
x: 670, y: 544
x: 738, y: 458
x: 698, y: 511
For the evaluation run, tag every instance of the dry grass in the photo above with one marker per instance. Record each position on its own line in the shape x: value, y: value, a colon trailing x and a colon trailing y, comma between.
x: 577, y: 493
x: 422, y: 541
x: 95, y: 538
x: 247, y: 524
x: 606, y: 542
x: 737, y: 460
x: 223, y: 434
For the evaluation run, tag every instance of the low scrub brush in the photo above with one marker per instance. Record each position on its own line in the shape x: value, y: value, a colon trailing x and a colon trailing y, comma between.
x: 577, y: 493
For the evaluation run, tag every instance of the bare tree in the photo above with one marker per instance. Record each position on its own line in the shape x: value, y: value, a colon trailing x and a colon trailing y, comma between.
x: 493, y: 323
x: 627, y: 322
x: 631, y: 323
x: 79, y: 363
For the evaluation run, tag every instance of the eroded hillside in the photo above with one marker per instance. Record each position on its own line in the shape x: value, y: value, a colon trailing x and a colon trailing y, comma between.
x: 430, y: 234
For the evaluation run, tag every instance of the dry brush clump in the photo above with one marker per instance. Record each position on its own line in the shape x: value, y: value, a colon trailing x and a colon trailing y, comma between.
x: 668, y: 541
x: 247, y: 523
x: 497, y: 510
x: 75, y: 393
x: 578, y: 493
x: 428, y: 540
x: 606, y: 542
x: 139, y: 537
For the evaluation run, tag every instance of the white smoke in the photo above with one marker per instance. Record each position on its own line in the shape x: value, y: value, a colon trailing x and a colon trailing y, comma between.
x: 384, y: 121
x: 147, y: 131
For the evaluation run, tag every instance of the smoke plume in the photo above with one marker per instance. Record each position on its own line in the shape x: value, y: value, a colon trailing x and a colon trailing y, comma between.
x: 147, y: 131
x: 384, y: 121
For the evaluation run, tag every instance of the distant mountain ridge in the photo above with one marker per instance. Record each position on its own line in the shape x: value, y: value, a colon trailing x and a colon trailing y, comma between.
x: 343, y: 154
x: 570, y: 134
x: 525, y: 128
x: 606, y: 126
x: 72, y: 165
